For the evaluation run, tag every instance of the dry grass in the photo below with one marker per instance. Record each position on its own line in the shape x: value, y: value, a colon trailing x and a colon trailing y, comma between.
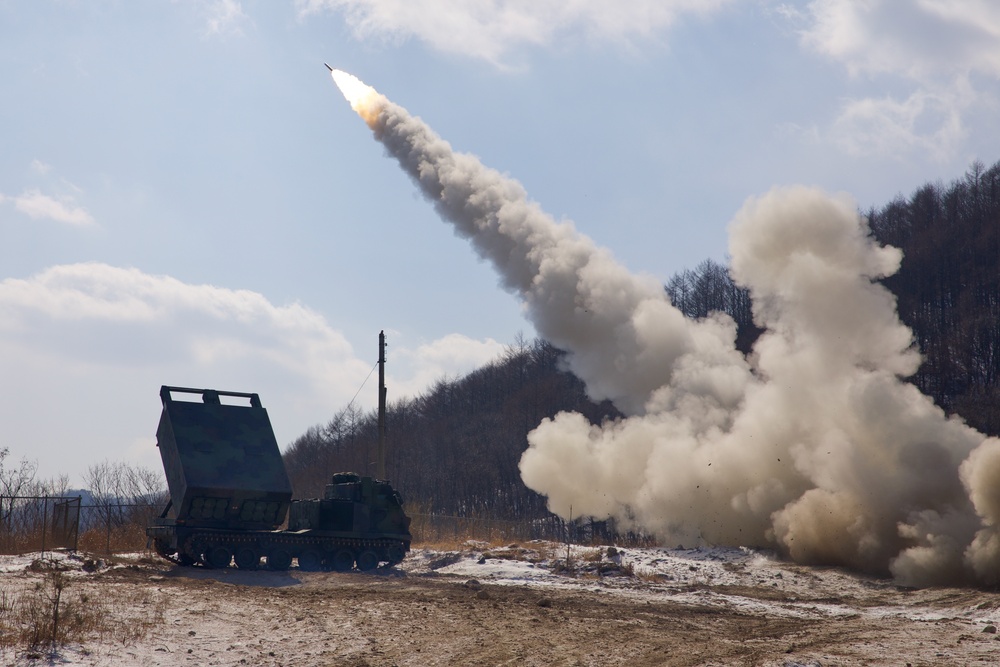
x: 445, y: 530
x: 55, y: 609
x: 449, y: 544
x: 429, y: 528
x: 120, y: 539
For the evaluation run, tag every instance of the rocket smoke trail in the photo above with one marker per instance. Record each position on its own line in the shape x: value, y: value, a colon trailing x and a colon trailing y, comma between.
x: 812, y: 445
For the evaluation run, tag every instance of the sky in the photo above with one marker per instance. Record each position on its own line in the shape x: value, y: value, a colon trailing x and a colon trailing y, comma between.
x: 187, y: 199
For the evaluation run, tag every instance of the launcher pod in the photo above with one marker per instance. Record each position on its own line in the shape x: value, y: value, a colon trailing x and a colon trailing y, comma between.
x: 229, y: 493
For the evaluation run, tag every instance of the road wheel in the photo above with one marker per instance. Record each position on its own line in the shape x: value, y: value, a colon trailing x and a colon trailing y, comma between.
x: 162, y: 548
x: 198, y: 551
x: 188, y: 554
x: 279, y: 559
x: 367, y: 561
x: 395, y: 554
x: 310, y: 560
x: 247, y: 558
x: 343, y: 560
x: 218, y: 557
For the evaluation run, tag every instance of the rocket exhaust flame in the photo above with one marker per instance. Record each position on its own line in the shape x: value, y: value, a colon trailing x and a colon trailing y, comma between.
x: 365, y: 100
x: 812, y: 445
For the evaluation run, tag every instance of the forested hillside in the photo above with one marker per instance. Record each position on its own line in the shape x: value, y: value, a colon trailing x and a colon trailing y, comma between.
x: 948, y: 288
x: 455, y: 449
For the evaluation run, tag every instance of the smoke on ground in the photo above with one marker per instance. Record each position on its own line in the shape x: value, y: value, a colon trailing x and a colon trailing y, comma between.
x: 813, y: 444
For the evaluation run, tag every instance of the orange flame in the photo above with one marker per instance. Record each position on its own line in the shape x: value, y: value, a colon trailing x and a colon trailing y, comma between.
x: 364, y: 99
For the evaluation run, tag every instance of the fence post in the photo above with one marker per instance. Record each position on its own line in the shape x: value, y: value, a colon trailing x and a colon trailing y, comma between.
x: 76, y: 533
x: 107, y: 548
x: 45, y: 516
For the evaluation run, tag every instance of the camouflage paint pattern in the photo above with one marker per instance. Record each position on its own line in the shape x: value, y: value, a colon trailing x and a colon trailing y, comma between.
x: 222, y: 461
x: 229, y: 492
x: 354, y: 504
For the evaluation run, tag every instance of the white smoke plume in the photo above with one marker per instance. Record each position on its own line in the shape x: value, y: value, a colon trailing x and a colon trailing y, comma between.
x: 812, y: 445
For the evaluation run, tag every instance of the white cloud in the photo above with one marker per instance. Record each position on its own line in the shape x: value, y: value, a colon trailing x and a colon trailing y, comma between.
x: 38, y: 206
x: 926, y: 122
x: 920, y: 39
x: 222, y: 17
x: 789, y: 12
x: 225, y: 17
x: 451, y: 356
x: 85, y: 348
x: 938, y: 46
x: 93, y: 310
x: 492, y: 29
x: 40, y: 167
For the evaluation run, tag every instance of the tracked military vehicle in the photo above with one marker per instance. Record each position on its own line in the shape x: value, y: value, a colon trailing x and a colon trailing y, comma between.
x: 230, y: 493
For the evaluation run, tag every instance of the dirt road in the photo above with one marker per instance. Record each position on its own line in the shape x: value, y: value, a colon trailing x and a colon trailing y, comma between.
x: 432, y: 612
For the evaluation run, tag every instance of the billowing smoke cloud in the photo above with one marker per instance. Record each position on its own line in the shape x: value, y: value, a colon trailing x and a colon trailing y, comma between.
x: 812, y: 445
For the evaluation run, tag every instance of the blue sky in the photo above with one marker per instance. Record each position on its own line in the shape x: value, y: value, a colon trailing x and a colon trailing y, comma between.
x: 187, y: 199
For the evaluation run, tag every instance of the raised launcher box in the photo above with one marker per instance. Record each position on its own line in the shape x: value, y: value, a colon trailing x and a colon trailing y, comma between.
x: 223, y: 465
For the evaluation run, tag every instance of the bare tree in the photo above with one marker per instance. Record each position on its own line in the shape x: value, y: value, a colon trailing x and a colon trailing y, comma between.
x: 123, y: 491
x: 15, y: 481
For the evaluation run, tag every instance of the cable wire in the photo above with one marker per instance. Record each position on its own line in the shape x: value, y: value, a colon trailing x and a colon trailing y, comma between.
x: 363, y: 384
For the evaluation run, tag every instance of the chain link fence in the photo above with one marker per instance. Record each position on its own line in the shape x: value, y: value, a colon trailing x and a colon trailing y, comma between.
x: 441, y: 528
x: 38, y: 522
x: 437, y: 529
x: 41, y: 523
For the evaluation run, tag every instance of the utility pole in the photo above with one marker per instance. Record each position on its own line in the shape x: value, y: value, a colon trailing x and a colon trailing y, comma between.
x: 380, y: 458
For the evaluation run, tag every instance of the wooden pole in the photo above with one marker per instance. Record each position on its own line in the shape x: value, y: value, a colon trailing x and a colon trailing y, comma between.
x: 380, y: 459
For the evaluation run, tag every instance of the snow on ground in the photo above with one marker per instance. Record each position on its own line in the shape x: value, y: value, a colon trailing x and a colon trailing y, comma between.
x: 745, y: 582
x: 692, y: 576
x: 75, y: 564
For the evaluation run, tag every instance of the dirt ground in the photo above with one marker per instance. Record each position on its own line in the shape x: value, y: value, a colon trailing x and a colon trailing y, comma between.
x: 430, y: 611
